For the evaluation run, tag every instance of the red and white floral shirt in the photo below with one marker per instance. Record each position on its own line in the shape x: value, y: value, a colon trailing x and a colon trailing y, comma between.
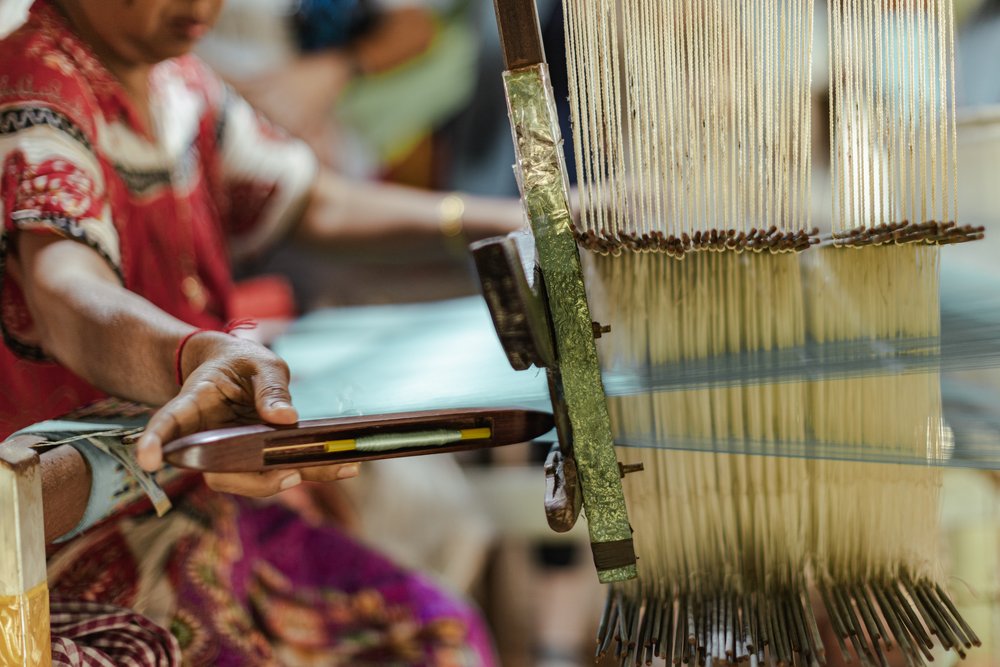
x: 168, y: 207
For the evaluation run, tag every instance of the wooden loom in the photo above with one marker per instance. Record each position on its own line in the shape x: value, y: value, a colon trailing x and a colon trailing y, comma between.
x: 692, y: 131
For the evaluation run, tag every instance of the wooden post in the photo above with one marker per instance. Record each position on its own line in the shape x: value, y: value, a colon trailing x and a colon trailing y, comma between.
x: 520, y: 33
x: 24, y: 593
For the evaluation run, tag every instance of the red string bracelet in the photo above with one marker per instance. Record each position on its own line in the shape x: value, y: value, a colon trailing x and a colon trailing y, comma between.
x: 178, y: 372
x: 231, y: 326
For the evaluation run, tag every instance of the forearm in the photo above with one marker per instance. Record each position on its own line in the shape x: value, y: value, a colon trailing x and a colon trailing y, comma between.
x: 126, y: 346
x: 342, y: 210
x: 109, y: 336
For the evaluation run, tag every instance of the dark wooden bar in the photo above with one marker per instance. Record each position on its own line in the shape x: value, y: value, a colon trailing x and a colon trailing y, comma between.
x: 520, y: 33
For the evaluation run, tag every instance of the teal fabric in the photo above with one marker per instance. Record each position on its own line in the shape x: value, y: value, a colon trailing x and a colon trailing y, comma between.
x: 375, y: 359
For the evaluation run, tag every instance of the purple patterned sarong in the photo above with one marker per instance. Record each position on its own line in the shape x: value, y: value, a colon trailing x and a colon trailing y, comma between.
x: 240, y: 583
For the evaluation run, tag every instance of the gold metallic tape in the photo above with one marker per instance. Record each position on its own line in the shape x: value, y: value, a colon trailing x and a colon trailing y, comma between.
x: 24, y: 628
x: 541, y: 175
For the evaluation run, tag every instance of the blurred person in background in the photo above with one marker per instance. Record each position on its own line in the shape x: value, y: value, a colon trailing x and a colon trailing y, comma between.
x: 367, y: 83
x: 370, y: 79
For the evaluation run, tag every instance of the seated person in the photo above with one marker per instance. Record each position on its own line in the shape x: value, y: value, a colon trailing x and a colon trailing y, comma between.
x: 131, y: 179
x: 369, y: 78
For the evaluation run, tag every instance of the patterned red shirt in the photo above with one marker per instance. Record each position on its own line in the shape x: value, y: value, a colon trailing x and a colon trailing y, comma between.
x: 168, y: 207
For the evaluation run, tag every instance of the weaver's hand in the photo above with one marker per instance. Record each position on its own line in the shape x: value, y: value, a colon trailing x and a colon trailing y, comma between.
x: 227, y: 381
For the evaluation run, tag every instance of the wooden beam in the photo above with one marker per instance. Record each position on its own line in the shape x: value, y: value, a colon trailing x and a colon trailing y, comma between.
x: 520, y: 33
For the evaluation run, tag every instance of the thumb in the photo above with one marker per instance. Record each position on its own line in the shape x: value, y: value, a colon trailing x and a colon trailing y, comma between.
x: 149, y: 452
x: 271, y: 397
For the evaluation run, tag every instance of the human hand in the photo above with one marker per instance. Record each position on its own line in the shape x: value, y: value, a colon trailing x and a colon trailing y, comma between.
x: 230, y: 381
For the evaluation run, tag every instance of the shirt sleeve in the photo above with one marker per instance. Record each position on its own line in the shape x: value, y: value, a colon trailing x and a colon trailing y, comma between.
x: 266, y: 175
x: 52, y: 183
